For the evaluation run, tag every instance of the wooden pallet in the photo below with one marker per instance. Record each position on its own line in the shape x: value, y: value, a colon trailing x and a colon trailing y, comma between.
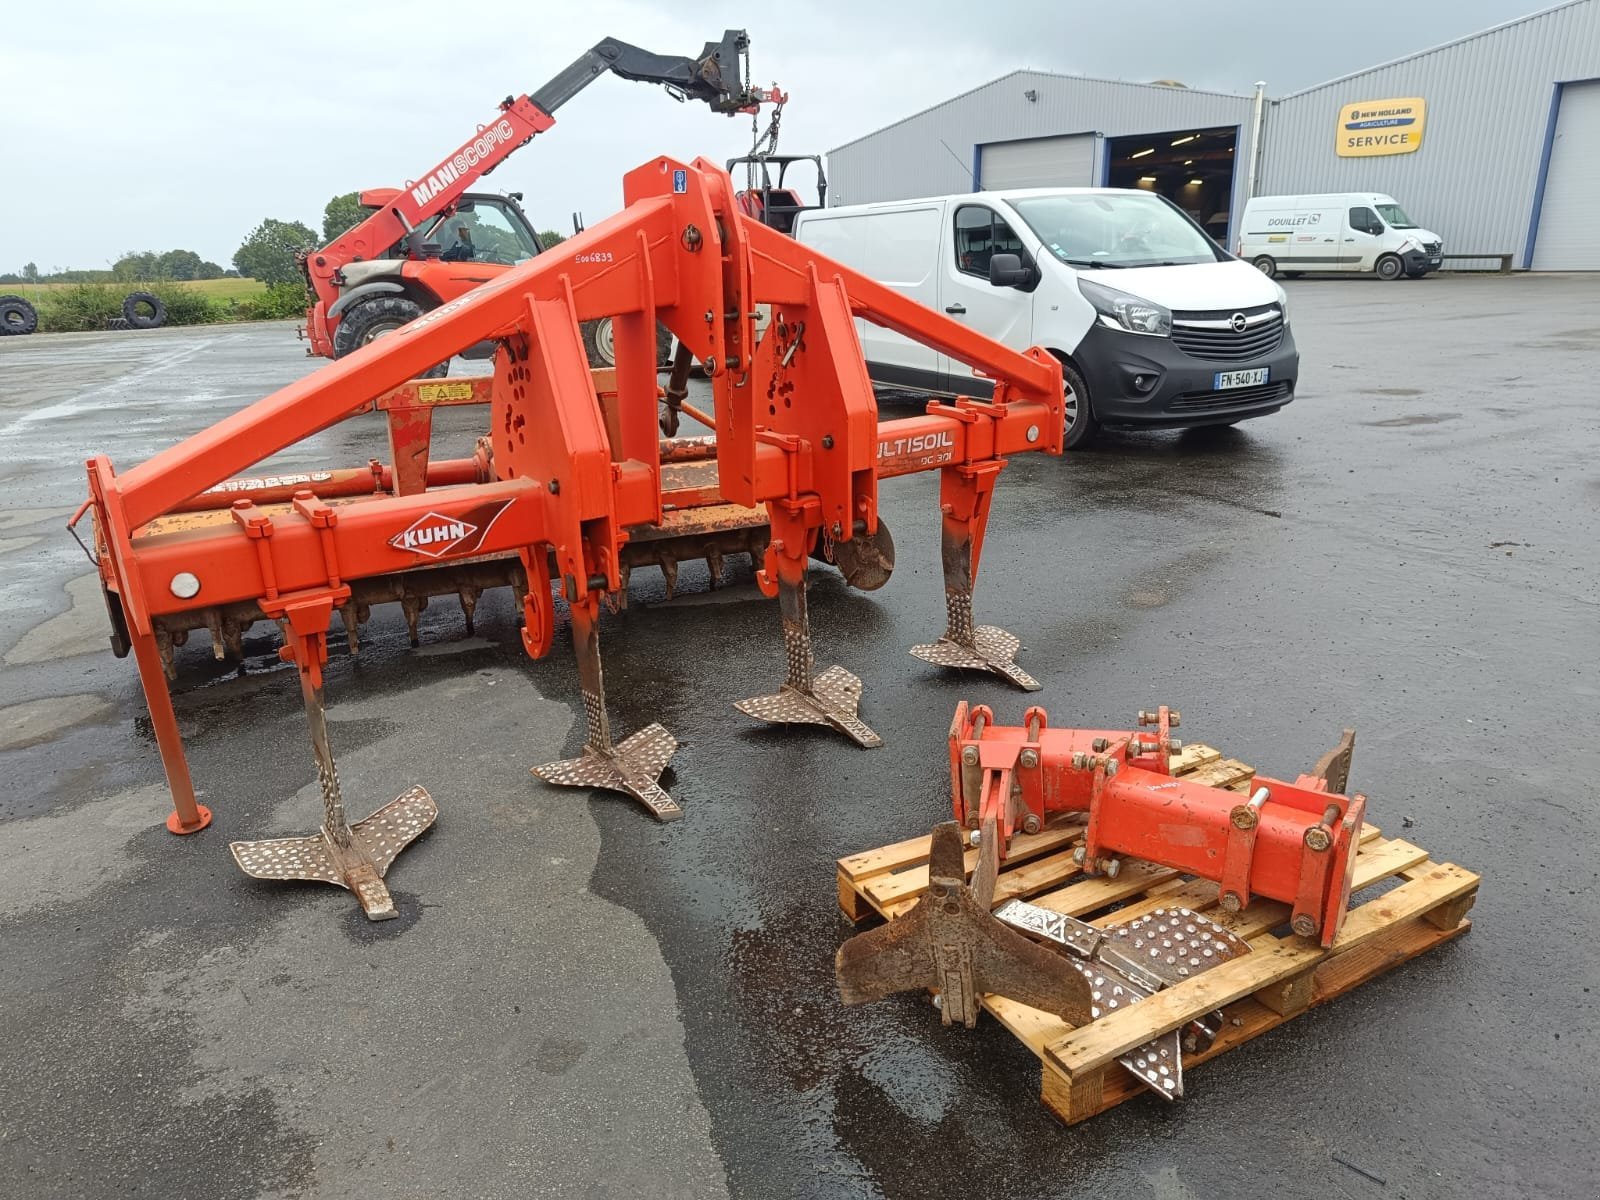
x: 1283, y: 976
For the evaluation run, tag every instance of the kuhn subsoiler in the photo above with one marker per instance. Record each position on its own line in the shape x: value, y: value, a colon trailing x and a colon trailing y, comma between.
x: 567, y: 480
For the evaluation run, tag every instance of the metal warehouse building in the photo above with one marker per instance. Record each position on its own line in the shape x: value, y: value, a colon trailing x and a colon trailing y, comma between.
x: 1492, y: 140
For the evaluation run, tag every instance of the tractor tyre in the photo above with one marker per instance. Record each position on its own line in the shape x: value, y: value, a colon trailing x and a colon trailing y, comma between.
x: 144, y: 310
x: 599, y: 343
x: 376, y: 318
x: 17, y: 316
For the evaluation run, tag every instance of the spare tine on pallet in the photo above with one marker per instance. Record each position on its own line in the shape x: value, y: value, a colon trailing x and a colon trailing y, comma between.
x: 631, y: 767
x: 950, y: 943
x: 1333, y: 768
x: 964, y: 495
x: 832, y: 698
x: 349, y: 856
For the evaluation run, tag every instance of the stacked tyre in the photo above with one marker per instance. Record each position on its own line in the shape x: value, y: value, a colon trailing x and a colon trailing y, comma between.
x: 17, y: 317
x: 144, y: 310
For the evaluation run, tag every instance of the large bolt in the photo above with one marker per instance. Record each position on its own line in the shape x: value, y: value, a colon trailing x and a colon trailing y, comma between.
x: 1174, y: 718
x: 1111, y: 768
x: 1079, y: 853
x: 1029, y: 758
x: 1304, y: 924
x: 1243, y: 817
x: 1030, y: 823
x: 969, y: 756
x: 1318, y: 838
x: 1231, y: 902
x: 975, y: 836
x: 1080, y: 761
x: 1100, y: 745
x: 1111, y: 866
x: 1149, y: 718
x: 1174, y: 745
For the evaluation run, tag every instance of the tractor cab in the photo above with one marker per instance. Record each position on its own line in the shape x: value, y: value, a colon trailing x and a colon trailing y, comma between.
x: 480, y: 227
x: 767, y: 195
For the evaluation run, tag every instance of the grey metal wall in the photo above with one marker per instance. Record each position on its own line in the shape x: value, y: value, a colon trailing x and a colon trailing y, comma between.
x: 1488, y: 97
x: 931, y: 153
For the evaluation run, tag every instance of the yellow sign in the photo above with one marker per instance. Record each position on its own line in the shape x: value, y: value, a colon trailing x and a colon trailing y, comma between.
x: 443, y: 393
x: 1370, y: 127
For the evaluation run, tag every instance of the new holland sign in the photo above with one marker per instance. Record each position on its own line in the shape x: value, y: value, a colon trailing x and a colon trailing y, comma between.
x: 1370, y: 127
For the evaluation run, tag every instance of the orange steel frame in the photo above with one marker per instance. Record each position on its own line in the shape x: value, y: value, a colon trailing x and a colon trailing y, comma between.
x: 1293, y: 842
x: 796, y: 430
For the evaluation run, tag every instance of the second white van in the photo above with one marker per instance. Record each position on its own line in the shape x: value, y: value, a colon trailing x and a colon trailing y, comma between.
x: 1340, y: 231
x: 1154, y: 323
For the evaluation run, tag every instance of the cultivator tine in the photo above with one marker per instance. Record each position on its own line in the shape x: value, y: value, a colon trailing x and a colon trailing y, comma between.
x: 963, y: 646
x: 832, y: 698
x: 1131, y: 962
x: 632, y: 766
x: 1334, y: 766
x: 349, y: 856
x: 950, y: 943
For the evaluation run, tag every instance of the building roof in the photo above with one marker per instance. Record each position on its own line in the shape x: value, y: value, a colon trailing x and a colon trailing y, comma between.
x: 1043, y: 75
x: 1442, y: 46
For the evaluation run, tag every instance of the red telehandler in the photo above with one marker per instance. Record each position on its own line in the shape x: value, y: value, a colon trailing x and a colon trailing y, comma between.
x: 431, y: 241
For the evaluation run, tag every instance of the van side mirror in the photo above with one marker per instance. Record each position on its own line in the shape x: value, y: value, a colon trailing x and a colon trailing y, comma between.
x: 1006, y: 270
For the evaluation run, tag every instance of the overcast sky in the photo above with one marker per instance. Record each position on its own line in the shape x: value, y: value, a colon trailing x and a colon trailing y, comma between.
x: 160, y: 124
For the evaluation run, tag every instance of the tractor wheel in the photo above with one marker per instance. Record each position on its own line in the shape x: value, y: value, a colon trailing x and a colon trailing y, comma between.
x: 144, y: 310
x: 17, y: 316
x: 376, y: 318
x: 1080, y: 426
x: 599, y: 343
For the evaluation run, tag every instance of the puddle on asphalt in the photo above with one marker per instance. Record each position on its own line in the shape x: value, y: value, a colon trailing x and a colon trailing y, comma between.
x: 1416, y: 419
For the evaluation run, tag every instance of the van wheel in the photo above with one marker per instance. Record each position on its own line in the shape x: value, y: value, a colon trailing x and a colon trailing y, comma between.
x: 1264, y: 264
x: 1079, y: 428
x: 1390, y: 267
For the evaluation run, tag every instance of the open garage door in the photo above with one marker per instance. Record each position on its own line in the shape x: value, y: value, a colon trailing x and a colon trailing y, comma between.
x: 1568, y: 238
x: 1038, y: 162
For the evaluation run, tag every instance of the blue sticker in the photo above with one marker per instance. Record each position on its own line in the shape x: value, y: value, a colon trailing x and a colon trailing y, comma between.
x: 680, y: 181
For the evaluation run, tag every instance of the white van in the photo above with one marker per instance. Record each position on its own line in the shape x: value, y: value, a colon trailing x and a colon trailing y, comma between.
x: 1342, y: 231
x: 1155, y: 325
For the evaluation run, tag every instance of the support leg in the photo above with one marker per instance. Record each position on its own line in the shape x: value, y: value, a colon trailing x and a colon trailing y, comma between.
x: 964, y: 494
x: 632, y: 766
x: 188, y: 815
x: 349, y: 856
x: 832, y: 698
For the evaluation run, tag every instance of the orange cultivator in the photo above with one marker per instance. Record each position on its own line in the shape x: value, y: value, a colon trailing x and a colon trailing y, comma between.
x: 571, y: 485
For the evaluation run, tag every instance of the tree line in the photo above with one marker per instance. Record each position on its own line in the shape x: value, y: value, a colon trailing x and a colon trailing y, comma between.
x: 266, y: 255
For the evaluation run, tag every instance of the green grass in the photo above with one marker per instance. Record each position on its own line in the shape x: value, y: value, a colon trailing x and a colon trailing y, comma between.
x: 212, y: 289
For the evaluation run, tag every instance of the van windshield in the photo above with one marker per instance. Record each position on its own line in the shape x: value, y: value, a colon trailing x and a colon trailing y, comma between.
x: 1115, y: 229
x: 1395, y: 216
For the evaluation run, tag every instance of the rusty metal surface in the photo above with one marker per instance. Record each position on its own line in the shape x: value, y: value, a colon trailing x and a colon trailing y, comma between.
x: 1126, y: 963
x: 948, y: 942
x: 866, y: 561
x: 356, y: 857
x: 632, y: 767
x: 1334, y: 766
x: 963, y: 647
x: 832, y: 698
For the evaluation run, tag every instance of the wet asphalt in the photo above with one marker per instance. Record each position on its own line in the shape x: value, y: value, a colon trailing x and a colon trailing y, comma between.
x: 577, y: 1001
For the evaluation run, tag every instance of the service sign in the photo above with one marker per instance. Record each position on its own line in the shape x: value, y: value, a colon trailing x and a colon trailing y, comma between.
x: 1370, y: 127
